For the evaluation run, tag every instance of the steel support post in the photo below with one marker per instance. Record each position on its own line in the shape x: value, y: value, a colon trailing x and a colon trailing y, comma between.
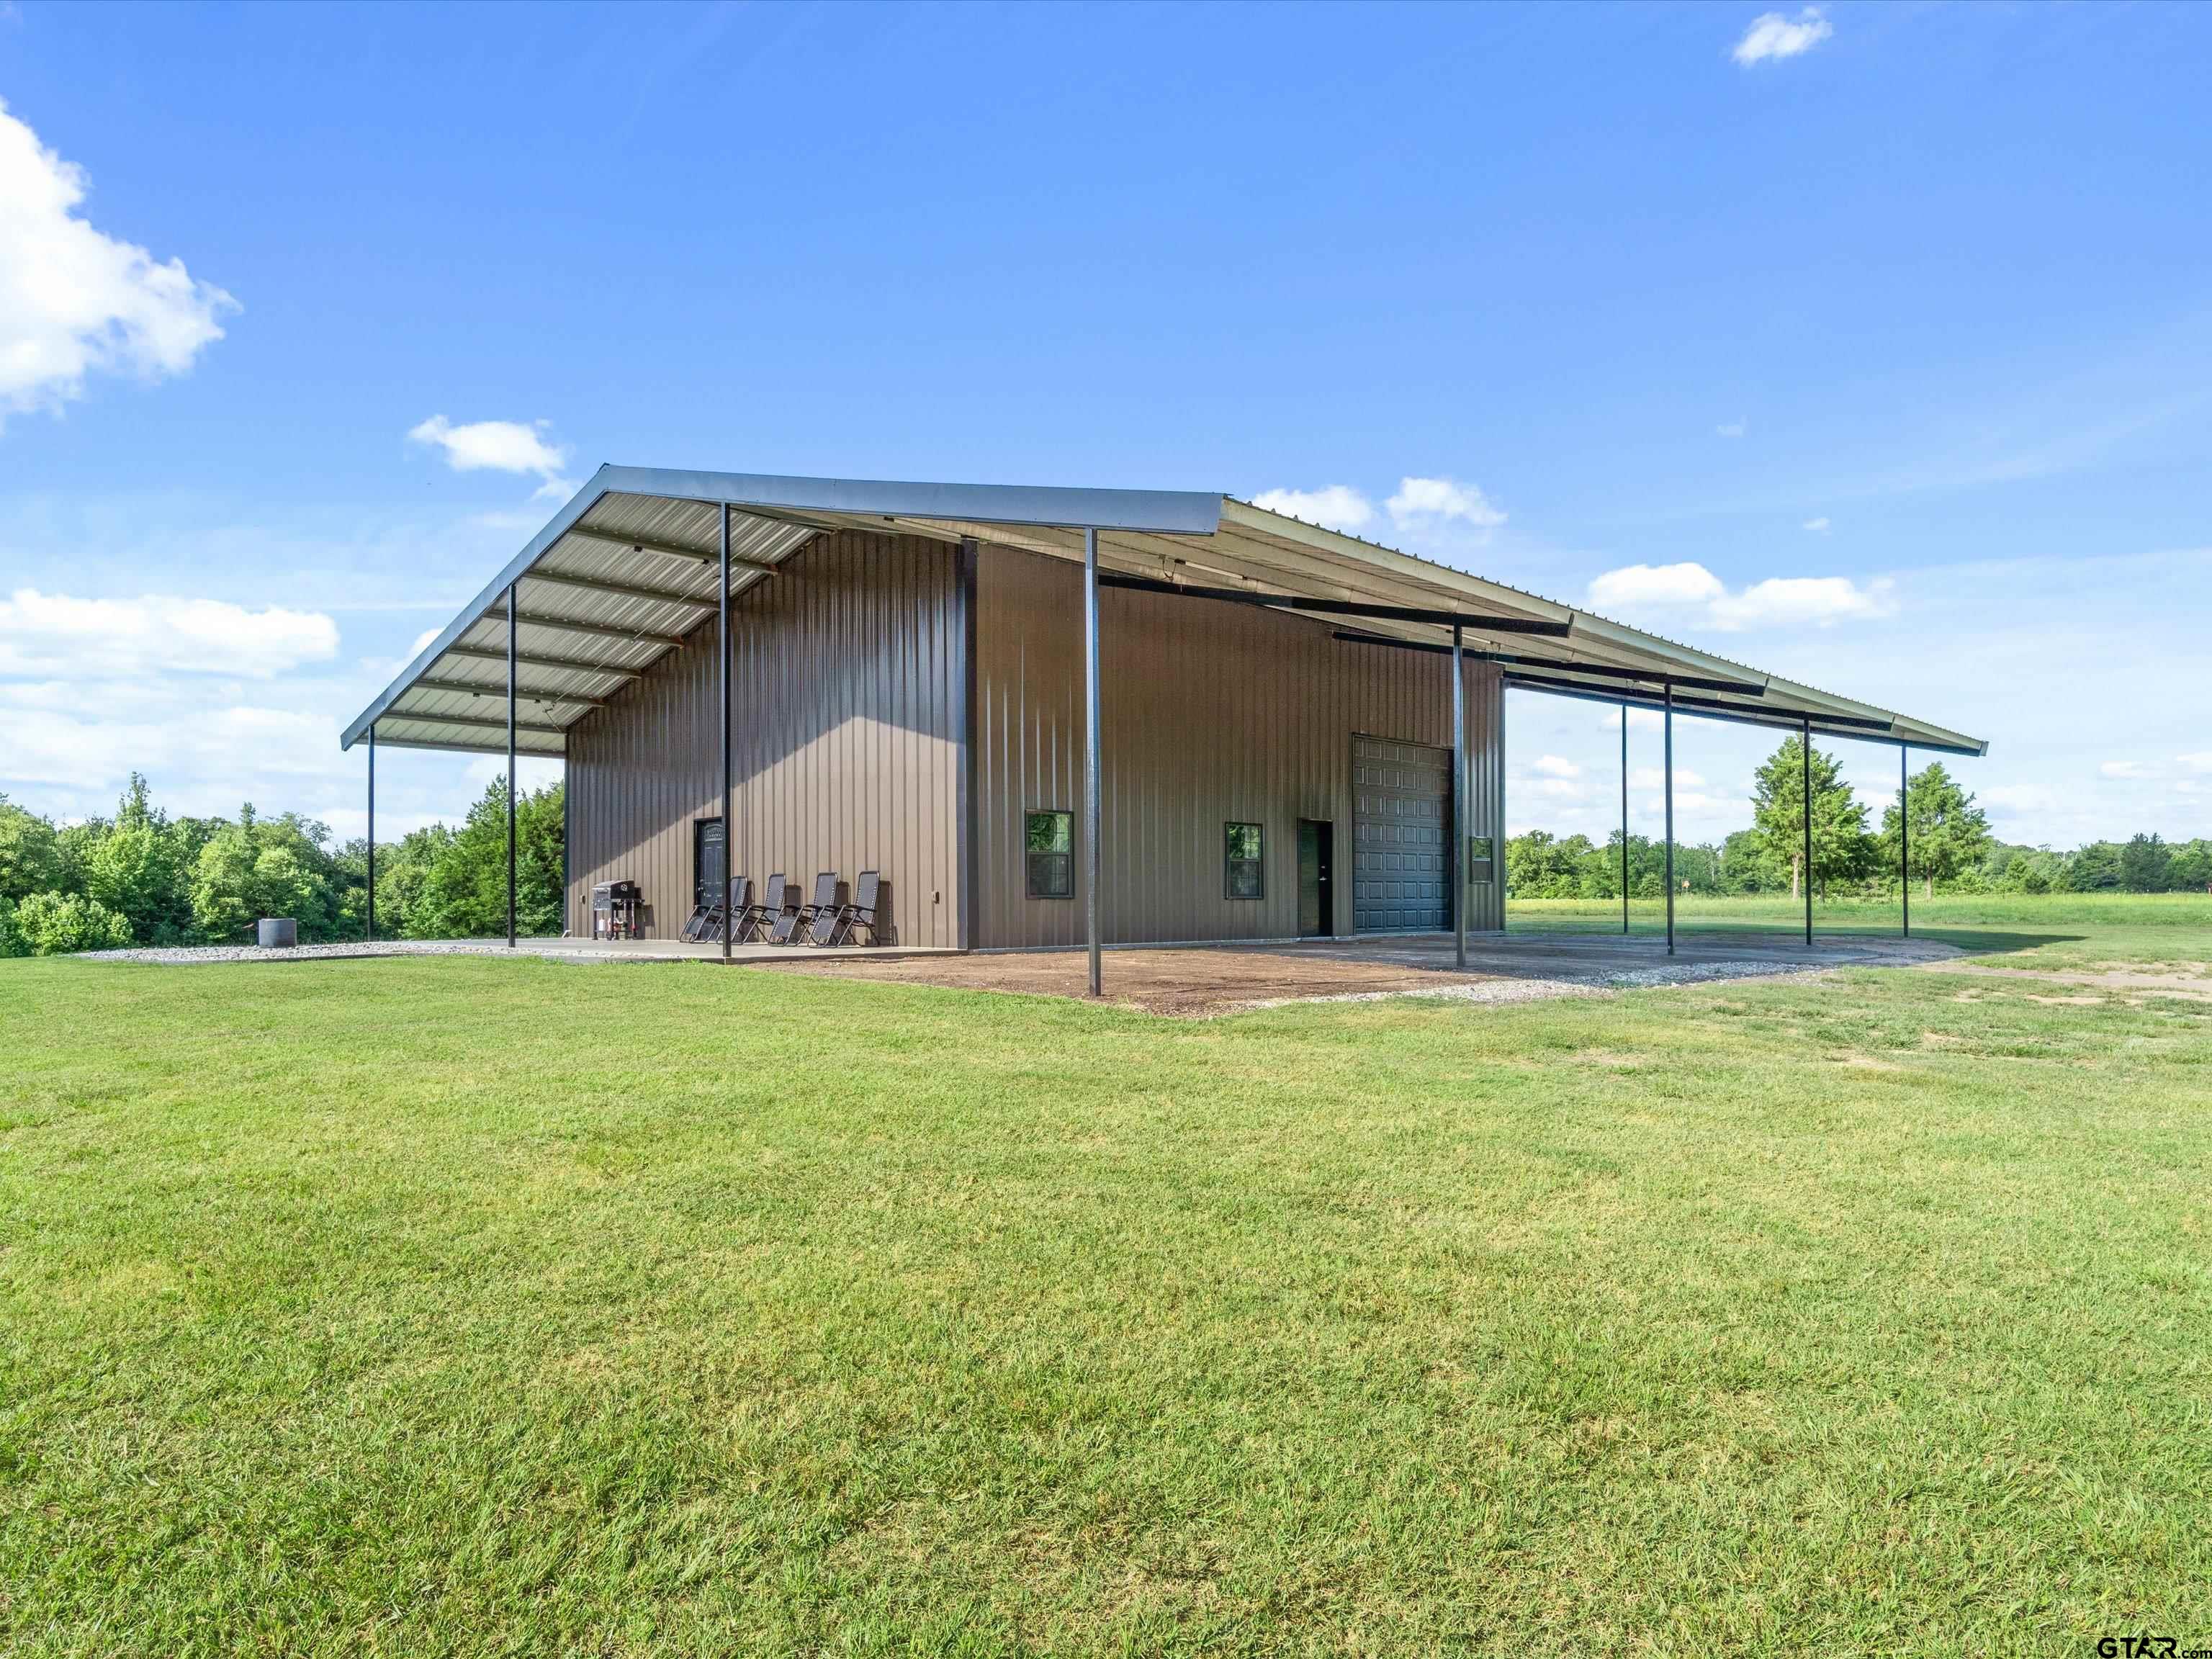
x: 369, y: 931
x: 568, y: 833
x: 1457, y: 863
x: 1090, y: 772
x: 512, y: 645
x: 722, y: 652
x: 1623, y: 820
x: 1669, y: 717
x: 1905, y: 838
x: 1805, y: 760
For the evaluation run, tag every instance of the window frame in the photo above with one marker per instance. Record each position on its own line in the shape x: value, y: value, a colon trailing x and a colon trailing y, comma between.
x: 1257, y: 859
x: 1482, y: 868
x: 1030, y: 855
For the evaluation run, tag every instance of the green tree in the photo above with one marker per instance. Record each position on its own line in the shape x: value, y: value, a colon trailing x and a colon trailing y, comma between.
x: 31, y: 859
x: 12, y: 942
x: 2189, y: 870
x: 1745, y: 866
x: 463, y: 890
x: 403, y: 879
x: 131, y: 865
x: 1841, y: 849
x: 224, y: 899
x: 1950, y: 832
x: 266, y: 867
x: 2091, y: 868
x: 2146, y: 866
x: 52, y: 923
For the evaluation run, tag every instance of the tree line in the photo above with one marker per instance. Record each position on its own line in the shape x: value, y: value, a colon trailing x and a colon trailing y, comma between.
x: 147, y: 876
x: 1948, y: 838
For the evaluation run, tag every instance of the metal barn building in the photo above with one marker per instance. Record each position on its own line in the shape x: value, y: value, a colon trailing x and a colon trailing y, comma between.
x: 1045, y: 716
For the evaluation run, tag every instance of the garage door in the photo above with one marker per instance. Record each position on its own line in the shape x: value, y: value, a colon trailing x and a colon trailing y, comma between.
x: 1401, y: 805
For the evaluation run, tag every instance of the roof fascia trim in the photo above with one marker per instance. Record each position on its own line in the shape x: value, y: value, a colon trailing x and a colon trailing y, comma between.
x: 1159, y: 511
x: 556, y: 527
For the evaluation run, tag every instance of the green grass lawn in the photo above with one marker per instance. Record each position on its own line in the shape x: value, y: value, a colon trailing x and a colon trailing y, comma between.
x: 465, y: 1305
x: 2060, y: 929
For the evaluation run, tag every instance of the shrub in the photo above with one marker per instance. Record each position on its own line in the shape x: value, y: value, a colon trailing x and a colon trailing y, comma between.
x: 55, y: 923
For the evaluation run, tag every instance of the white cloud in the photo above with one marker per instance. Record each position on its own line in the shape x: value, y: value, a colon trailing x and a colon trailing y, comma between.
x: 1645, y: 587
x: 2019, y: 799
x: 1419, y: 507
x: 1776, y: 602
x: 2199, y: 762
x: 2128, y: 769
x: 1818, y: 526
x: 1552, y: 766
x: 1549, y: 788
x: 1772, y: 35
x: 1731, y: 429
x: 1821, y: 601
x: 74, y: 299
x: 54, y: 634
x: 83, y: 751
x: 1655, y: 777
x: 498, y: 446
x: 1338, y: 506
x: 1427, y: 503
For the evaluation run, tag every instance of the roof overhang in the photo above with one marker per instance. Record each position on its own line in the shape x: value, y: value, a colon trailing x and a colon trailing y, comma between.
x: 630, y: 566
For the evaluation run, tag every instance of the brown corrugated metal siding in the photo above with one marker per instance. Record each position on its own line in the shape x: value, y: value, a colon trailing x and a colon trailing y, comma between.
x: 850, y: 683
x: 846, y: 687
x: 1212, y: 714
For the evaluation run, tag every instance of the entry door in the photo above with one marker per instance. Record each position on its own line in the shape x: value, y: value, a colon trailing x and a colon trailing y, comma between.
x: 709, y: 865
x: 1401, y: 805
x: 1316, y: 893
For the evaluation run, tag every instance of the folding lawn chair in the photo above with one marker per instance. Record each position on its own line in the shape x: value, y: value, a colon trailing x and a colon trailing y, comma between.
x: 753, y: 917
x: 704, y: 922
x: 859, y: 912
x: 741, y: 910
x: 784, y: 916
x: 816, y: 919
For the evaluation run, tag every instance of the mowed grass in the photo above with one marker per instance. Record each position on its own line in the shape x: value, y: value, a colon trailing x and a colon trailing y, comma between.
x: 463, y: 1305
x: 2068, y: 930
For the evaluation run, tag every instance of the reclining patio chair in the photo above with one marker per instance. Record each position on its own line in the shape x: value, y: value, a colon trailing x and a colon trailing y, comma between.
x: 704, y: 923
x: 859, y: 912
x: 817, y: 918
x: 784, y: 918
x: 754, y: 917
x: 705, y: 926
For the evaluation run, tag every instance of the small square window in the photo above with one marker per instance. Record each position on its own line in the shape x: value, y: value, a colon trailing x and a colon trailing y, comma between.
x: 1244, y: 874
x: 1049, y: 838
x: 1478, y: 859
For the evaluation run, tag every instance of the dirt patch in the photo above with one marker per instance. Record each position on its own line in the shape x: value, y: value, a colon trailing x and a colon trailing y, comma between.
x: 1191, y: 984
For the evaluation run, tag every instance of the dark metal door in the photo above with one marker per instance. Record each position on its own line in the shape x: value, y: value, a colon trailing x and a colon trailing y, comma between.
x: 1401, y: 807
x: 1316, y: 891
x: 710, y: 870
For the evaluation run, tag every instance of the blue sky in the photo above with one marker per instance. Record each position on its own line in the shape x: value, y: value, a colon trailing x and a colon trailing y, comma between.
x: 1878, y: 336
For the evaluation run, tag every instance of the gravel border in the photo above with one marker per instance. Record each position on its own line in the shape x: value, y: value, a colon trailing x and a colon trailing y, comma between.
x: 1492, y: 991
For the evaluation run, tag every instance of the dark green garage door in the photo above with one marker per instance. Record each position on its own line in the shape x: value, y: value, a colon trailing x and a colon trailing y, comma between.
x: 1401, y: 803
